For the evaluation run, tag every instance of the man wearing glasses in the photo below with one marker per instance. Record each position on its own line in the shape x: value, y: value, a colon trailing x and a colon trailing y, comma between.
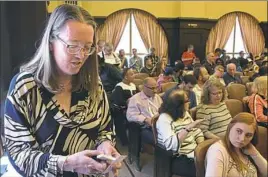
x: 143, y: 107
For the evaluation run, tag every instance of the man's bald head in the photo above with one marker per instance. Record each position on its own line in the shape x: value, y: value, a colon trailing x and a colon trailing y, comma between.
x: 149, y: 86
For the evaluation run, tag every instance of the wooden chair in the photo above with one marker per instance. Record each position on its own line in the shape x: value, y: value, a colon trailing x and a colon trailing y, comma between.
x: 239, y: 73
x: 168, y: 85
x: 138, y: 82
x: 262, y: 142
x: 245, y: 79
x: 249, y: 88
x: 234, y: 106
x: 156, y: 78
x: 200, y: 156
x: 162, y: 157
x: 141, y: 76
x: 134, y: 147
x: 236, y: 91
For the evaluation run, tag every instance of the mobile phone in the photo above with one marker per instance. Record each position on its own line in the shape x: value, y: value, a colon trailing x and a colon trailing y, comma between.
x: 105, y: 157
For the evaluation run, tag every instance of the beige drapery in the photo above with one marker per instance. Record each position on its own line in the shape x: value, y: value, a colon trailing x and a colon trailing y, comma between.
x: 252, y: 34
x: 151, y: 32
x: 220, y: 33
x: 112, y: 29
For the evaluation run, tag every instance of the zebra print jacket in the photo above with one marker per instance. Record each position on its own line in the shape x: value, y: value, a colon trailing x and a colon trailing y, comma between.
x: 37, y: 131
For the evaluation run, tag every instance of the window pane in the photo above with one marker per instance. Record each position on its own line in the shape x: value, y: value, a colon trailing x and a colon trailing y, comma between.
x: 239, y: 43
x: 136, y: 39
x: 125, y: 40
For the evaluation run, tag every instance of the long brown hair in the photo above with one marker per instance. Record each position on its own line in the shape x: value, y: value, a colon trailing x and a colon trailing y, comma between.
x: 248, y: 119
x: 42, y: 64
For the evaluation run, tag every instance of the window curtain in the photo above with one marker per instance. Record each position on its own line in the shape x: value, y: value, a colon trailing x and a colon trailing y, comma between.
x: 252, y: 34
x: 221, y: 32
x: 112, y: 29
x: 151, y: 32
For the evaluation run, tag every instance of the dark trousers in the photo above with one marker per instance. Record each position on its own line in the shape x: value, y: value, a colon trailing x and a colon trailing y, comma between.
x: 147, y: 136
x: 184, y: 166
x: 120, y: 122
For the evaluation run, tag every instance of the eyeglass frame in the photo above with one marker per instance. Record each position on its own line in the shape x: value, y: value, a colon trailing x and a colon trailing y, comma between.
x: 151, y: 88
x: 92, y: 48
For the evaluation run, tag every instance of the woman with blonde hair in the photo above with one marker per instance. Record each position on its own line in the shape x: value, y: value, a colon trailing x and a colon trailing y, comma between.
x: 235, y: 155
x: 258, y: 100
x: 213, y: 109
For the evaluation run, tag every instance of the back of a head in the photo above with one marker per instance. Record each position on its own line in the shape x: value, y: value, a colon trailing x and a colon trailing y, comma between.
x: 174, y: 104
x: 179, y: 66
x: 189, y: 79
x: 168, y: 71
x: 260, y: 85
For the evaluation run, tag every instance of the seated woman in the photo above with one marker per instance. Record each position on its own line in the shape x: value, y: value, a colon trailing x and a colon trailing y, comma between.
x: 120, y: 95
x: 235, y: 155
x: 167, y: 76
x: 177, y: 131
x: 258, y: 100
x: 213, y: 110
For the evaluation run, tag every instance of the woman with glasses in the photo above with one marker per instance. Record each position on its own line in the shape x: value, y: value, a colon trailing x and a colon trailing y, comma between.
x: 57, y: 115
x: 213, y: 110
x: 177, y: 131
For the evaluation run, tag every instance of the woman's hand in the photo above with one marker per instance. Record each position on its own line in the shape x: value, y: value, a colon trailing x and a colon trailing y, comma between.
x: 82, y: 163
x: 194, y: 124
x: 250, y: 150
x: 107, y: 148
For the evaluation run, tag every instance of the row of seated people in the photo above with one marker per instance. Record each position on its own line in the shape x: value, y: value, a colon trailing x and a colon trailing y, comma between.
x: 150, y: 88
x: 124, y: 90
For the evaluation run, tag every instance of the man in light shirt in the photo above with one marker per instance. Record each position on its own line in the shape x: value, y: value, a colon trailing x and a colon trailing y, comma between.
x: 143, y: 107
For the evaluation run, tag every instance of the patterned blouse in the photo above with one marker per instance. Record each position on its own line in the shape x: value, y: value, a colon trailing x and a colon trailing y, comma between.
x: 37, y: 131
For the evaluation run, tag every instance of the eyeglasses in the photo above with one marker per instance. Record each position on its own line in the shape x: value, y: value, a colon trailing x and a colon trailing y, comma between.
x: 75, y: 49
x: 151, y: 88
x: 216, y: 93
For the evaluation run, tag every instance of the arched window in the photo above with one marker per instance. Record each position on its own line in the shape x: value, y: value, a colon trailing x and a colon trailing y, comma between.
x: 235, y: 43
x: 131, y: 38
x: 134, y: 28
x: 236, y: 31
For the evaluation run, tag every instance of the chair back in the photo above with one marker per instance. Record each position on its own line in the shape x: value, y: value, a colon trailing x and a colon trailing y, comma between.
x: 238, y: 73
x: 200, y: 156
x: 234, y: 106
x: 245, y: 79
x: 141, y: 76
x: 262, y: 142
x: 138, y: 82
x: 168, y: 85
x: 154, y: 120
x: 249, y: 88
x: 236, y: 91
x: 193, y: 113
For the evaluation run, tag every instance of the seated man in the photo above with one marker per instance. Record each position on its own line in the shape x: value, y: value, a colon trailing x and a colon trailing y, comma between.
x: 148, y: 67
x: 218, y: 74
x: 230, y: 76
x: 187, y: 84
x: 143, y: 107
